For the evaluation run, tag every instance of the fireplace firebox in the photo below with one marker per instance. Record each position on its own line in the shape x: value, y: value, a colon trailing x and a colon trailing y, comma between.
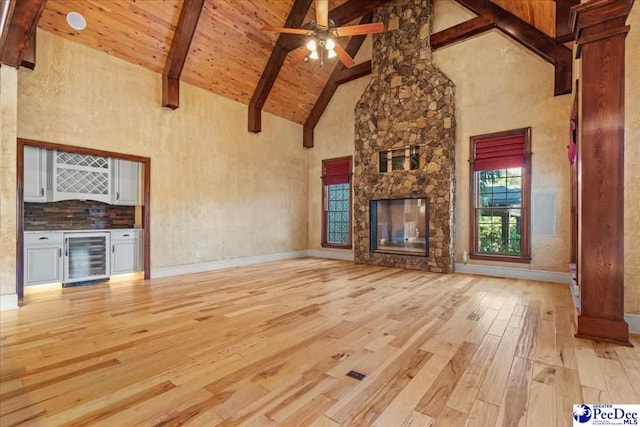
x: 399, y: 226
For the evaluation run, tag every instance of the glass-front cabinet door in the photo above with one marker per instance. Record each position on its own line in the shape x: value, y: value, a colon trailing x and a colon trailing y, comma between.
x: 86, y: 257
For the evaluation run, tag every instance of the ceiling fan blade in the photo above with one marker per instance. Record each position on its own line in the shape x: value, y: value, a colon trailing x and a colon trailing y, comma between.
x: 322, y: 13
x: 288, y: 30
x: 299, y: 55
x: 343, y: 56
x: 354, y: 30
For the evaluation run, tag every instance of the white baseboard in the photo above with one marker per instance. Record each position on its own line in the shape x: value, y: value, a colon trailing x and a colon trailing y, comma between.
x: 8, y: 302
x: 225, y: 263
x: 575, y: 294
x: 633, y: 320
x: 345, y: 256
x: 514, y: 273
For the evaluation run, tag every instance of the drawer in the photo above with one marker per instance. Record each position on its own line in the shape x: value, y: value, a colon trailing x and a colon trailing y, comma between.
x: 44, y: 238
x: 124, y: 234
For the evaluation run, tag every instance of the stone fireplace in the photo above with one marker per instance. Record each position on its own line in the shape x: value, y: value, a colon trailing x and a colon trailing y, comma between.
x: 407, y: 107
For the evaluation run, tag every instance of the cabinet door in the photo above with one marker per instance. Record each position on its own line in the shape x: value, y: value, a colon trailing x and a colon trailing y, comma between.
x: 125, y: 182
x: 35, y: 174
x: 81, y: 177
x: 124, y: 257
x: 43, y: 264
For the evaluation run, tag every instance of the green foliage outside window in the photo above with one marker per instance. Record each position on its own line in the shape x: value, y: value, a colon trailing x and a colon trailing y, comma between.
x: 499, y: 211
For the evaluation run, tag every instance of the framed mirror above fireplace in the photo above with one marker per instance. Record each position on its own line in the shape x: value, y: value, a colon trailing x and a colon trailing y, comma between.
x: 399, y: 226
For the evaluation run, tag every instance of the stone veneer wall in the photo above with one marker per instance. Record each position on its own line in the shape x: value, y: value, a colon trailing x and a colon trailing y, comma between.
x: 408, y: 101
x: 77, y: 215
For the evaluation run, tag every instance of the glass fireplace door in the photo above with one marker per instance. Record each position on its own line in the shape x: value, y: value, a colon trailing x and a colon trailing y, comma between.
x: 86, y: 257
x: 399, y: 226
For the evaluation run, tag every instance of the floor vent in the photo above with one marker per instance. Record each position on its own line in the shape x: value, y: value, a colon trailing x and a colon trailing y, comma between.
x: 357, y: 375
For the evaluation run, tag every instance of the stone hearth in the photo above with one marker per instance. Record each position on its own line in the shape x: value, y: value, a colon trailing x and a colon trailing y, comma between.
x: 409, y: 101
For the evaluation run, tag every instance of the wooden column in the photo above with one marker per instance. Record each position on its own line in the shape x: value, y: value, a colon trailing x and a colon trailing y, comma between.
x: 600, y: 31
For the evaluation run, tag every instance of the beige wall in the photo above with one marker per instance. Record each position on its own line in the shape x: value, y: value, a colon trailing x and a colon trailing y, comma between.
x: 333, y: 137
x: 215, y: 187
x: 632, y: 163
x: 499, y: 86
x: 8, y: 129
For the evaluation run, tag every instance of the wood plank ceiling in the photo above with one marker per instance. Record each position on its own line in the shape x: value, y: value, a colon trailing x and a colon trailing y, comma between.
x: 539, y: 13
x: 229, y: 51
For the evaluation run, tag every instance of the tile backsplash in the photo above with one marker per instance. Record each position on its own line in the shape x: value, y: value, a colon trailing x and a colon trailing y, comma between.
x: 77, y: 215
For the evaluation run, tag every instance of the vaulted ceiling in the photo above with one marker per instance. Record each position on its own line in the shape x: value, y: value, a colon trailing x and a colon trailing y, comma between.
x: 229, y: 51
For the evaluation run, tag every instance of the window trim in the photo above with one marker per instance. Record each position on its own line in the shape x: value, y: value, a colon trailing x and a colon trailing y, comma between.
x: 525, y: 242
x: 323, y: 241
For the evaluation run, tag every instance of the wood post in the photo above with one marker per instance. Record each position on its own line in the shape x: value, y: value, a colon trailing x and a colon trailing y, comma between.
x: 600, y: 31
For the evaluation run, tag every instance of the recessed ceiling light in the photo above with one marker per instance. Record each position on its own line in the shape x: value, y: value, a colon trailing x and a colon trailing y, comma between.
x: 76, y: 21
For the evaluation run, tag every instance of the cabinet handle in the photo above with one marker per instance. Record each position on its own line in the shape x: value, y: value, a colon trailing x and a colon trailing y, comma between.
x: 125, y: 235
x: 43, y: 238
x: 66, y: 251
x: 113, y: 249
x: 117, y: 195
x: 42, y: 192
x: 59, y: 252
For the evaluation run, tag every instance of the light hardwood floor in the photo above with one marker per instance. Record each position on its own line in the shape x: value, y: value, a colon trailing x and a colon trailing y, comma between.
x: 270, y: 345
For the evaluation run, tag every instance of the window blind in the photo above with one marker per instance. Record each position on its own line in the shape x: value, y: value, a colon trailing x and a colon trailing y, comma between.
x: 499, y: 153
x: 337, y: 171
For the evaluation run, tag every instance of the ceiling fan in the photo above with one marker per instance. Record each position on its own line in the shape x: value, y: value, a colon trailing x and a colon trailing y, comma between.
x: 322, y: 32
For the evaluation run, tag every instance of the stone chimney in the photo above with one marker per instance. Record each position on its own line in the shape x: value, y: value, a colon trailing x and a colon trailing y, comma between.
x: 408, y: 102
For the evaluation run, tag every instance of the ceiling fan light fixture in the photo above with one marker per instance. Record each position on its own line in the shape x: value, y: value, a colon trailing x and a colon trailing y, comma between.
x: 314, y: 55
x: 331, y: 54
x: 311, y: 45
x: 330, y: 44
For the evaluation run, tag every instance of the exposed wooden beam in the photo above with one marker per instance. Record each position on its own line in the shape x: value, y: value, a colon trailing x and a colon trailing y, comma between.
x: 527, y: 35
x: 29, y: 58
x: 340, y: 15
x: 563, y: 27
x: 268, y: 77
x: 563, y: 80
x: 180, y: 45
x: 353, y: 73
x: 462, y: 31
x: 20, y: 27
x: 340, y: 74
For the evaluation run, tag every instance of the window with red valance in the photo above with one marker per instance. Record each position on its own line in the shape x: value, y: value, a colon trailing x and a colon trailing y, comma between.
x: 501, y: 195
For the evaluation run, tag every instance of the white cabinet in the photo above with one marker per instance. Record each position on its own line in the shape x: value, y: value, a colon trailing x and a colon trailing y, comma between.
x: 35, y: 174
x: 81, y: 177
x: 43, y: 260
x: 126, y: 251
x: 125, y: 182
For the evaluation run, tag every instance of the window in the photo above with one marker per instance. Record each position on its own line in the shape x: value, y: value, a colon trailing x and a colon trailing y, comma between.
x: 500, y: 195
x: 336, y: 196
x: 398, y: 159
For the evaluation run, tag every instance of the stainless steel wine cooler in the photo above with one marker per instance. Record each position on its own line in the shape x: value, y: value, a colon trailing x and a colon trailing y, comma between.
x: 86, y: 257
